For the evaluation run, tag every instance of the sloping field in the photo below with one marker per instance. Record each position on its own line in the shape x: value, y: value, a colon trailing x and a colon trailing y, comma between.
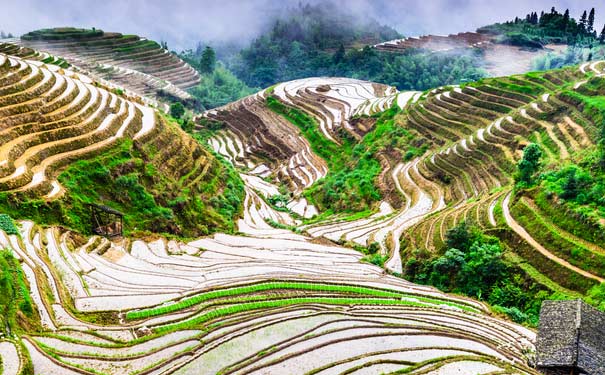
x: 232, y: 304
x: 129, y: 61
x: 476, y: 171
x: 281, y: 296
x: 52, y: 117
x: 57, y: 127
x: 263, y: 143
x: 437, y: 43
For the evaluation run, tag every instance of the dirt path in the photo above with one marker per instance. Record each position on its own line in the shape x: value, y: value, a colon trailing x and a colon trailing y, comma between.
x: 536, y: 245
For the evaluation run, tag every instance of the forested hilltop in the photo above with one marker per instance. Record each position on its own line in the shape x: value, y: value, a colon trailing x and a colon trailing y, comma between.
x: 322, y: 40
x: 326, y: 40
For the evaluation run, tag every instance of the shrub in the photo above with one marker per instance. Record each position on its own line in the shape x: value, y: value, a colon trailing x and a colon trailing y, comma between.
x: 177, y: 110
x: 8, y: 225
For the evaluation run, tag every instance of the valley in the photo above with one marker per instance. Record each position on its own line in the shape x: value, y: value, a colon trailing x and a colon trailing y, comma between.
x: 320, y: 225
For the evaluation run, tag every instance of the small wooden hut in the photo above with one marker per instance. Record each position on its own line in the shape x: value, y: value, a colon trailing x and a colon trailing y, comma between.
x: 106, y: 221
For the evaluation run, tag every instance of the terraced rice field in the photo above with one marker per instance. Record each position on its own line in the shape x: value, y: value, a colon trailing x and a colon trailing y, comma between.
x: 269, y: 300
x: 479, y: 168
x: 129, y: 61
x: 232, y: 304
x: 51, y: 117
x: 262, y: 143
x: 436, y: 43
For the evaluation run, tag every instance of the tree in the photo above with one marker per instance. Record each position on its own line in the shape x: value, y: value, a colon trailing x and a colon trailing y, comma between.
x: 164, y: 44
x: 446, y: 269
x: 199, y: 49
x: 590, y: 26
x: 529, y: 164
x: 459, y: 237
x: 484, y: 267
x: 583, y: 22
x: 602, y: 36
x: 177, y: 110
x: 339, y: 55
x: 208, y: 60
x: 566, y: 18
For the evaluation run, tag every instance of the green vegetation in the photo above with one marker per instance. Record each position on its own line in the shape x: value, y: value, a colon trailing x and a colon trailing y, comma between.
x: 313, y: 41
x: 572, y: 55
x: 350, y: 184
x: 275, y: 286
x: 529, y: 164
x: 219, y: 88
x: 476, y: 265
x: 549, y: 27
x: 8, y: 225
x: 170, y: 185
x: 241, y: 307
x: 61, y: 33
x: 177, y: 110
x: 16, y: 306
x: 208, y: 60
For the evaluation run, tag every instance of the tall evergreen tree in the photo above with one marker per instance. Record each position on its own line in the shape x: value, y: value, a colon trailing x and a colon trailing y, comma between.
x: 208, y: 60
x: 590, y: 26
x: 583, y: 22
x: 602, y: 36
x: 566, y: 17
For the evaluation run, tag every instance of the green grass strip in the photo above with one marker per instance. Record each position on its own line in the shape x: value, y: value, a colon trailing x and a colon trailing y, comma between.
x: 230, y: 310
x: 197, y: 299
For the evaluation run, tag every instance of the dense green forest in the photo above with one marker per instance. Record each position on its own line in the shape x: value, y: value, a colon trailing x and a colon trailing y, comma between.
x: 313, y: 42
x: 321, y: 40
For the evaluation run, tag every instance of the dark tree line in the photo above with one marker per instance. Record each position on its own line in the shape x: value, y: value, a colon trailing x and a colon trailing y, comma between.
x: 549, y: 27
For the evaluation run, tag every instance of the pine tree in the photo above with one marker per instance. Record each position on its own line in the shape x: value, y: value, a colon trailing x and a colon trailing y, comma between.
x: 590, y: 26
x: 583, y: 22
x: 208, y: 60
x: 566, y: 17
x: 602, y: 36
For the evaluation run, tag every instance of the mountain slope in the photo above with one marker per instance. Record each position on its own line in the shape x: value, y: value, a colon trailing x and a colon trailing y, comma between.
x: 115, y: 149
x: 130, y: 61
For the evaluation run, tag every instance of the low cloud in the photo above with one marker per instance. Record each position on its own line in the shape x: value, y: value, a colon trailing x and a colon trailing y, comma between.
x: 184, y: 22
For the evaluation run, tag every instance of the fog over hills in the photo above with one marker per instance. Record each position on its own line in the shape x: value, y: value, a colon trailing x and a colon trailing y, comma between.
x: 184, y: 22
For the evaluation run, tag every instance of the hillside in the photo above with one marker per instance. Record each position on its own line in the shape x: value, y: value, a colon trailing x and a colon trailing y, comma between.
x: 326, y: 39
x: 322, y: 225
x: 100, y: 305
x: 66, y: 142
x: 475, y: 135
x: 129, y: 61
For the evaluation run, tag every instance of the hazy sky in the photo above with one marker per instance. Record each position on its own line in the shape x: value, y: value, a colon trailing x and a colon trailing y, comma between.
x: 183, y: 22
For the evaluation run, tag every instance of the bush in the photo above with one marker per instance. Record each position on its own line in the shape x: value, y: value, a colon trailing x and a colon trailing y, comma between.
x: 8, y: 225
x: 177, y: 110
